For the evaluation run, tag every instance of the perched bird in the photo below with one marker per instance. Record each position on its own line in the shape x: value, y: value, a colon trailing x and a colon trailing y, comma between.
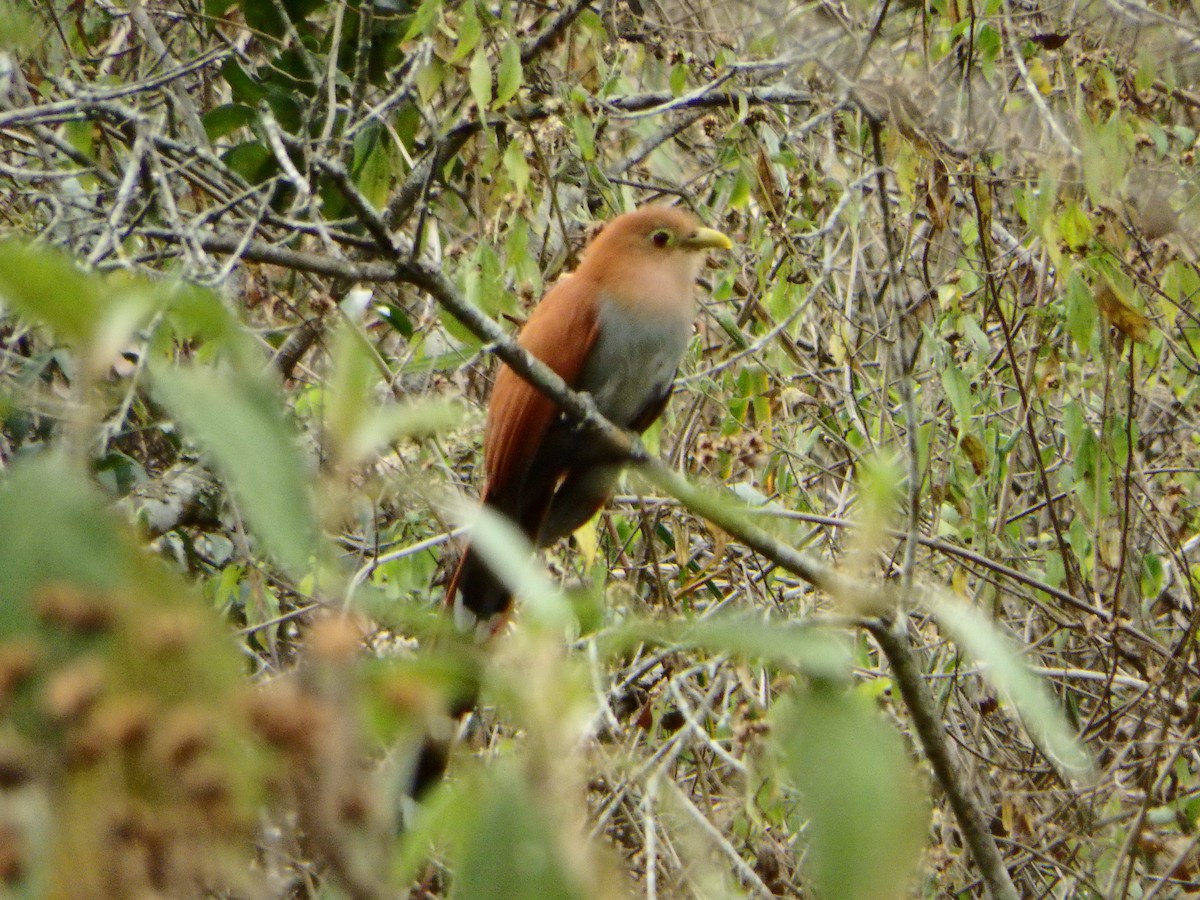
x: 616, y: 328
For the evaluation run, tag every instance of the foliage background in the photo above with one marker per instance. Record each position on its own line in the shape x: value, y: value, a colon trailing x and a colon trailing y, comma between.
x: 954, y: 353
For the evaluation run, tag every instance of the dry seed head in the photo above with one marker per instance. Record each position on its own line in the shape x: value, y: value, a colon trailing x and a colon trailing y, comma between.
x: 18, y: 661
x: 184, y: 735
x: 12, y: 854
x: 354, y: 805
x: 69, y: 606
x: 71, y: 692
x: 335, y: 640
x: 165, y: 634
x: 206, y: 786
x: 288, y: 717
x: 121, y: 722
x: 16, y: 764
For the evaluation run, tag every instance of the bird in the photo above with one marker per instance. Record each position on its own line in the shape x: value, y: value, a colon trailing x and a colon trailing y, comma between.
x: 616, y: 328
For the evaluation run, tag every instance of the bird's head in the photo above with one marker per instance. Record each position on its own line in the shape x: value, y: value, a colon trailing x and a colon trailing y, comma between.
x: 651, y: 250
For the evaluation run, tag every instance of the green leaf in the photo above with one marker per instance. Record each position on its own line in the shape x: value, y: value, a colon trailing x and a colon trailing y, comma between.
x: 507, y: 849
x: 411, y: 419
x: 508, y: 80
x: 481, y: 79
x: 679, y: 77
x: 867, y: 812
x: 1081, y: 312
x: 1181, y: 282
x: 517, y: 167
x: 358, y: 426
x: 585, y: 136
x: 80, y: 135
x: 18, y: 30
x: 958, y: 392
x: 398, y: 318
x: 197, y: 314
x: 244, y: 87
x: 372, y: 169
x: 987, y: 40
x: 98, y: 314
x: 484, y: 283
x: 228, y: 118
x: 1075, y: 227
x: 52, y: 528
x: 430, y: 79
x: 348, y: 400
x: 470, y: 29
x: 237, y: 418
x: 424, y: 20
x: 521, y: 263
x: 45, y: 285
x: 1002, y: 665
x: 252, y: 160
x: 740, y: 192
x: 811, y: 650
x: 508, y: 554
x: 263, y: 15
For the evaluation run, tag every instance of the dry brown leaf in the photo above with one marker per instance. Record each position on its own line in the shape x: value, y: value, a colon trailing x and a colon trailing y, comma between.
x: 1121, y: 315
x: 975, y: 452
x: 939, y: 200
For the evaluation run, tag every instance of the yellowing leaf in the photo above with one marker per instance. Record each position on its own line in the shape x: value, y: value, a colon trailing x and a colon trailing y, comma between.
x: 837, y: 347
x: 975, y: 452
x: 587, y: 539
x: 1120, y: 315
x: 1039, y: 76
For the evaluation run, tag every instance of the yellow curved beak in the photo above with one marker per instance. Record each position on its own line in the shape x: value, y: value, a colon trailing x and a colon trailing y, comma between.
x: 707, y: 239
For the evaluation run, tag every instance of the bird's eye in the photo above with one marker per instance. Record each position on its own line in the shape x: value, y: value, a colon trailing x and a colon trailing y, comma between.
x: 660, y: 238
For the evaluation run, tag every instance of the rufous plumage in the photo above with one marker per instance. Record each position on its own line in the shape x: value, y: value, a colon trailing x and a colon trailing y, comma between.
x: 616, y: 328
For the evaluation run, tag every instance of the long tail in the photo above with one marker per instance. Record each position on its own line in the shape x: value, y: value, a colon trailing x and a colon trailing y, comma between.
x: 480, y: 603
x: 475, y: 595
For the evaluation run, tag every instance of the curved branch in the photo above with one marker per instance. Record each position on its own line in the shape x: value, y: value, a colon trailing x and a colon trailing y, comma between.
x: 928, y: 726
x: 726, y: 515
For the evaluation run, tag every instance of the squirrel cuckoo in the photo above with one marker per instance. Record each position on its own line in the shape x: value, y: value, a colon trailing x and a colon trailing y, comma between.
x: 616, y: 328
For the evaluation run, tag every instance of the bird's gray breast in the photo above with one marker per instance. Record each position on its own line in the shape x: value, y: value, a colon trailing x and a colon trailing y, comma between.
x: 634, y: 358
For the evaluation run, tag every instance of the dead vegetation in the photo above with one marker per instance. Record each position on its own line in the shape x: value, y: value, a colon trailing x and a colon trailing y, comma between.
x: 954, y: 354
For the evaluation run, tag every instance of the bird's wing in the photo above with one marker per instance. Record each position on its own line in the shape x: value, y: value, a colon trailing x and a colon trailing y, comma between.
x: 561, y: 333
